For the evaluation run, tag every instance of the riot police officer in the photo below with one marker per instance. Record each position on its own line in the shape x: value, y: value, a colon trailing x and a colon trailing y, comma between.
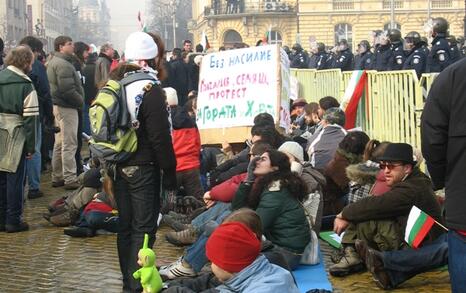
x: 425, y: 46
x: 439, y: 56
x: 363, y: 60
x: 344, y: 58
x: 299, y: 58
x: 396, y: 45
x: 455, y: 54
x: 320, y: 60
x: 417, y: 56
x: 460, y: 42
x: 383, y: 54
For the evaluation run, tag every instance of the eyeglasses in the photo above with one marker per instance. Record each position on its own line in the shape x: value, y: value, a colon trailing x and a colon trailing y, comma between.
x: 390, y: 166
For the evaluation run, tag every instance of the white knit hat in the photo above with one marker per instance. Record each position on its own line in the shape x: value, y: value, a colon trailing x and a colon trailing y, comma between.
x: 140, y: 46
x: 294, y: 149
x: 172, y: 97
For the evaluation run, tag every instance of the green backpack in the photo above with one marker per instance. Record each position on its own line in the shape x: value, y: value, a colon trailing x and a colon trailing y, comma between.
x: 114, y: 137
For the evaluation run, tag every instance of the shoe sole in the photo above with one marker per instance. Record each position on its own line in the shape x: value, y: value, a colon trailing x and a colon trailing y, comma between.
x: 176, y: 242
x: 352, y: 270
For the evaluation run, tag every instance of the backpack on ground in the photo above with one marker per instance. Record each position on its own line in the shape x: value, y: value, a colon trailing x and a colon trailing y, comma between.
x: 114, y: 137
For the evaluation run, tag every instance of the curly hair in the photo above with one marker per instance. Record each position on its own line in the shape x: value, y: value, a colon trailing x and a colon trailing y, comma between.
x: 288, y: 180
x: 20, y: 57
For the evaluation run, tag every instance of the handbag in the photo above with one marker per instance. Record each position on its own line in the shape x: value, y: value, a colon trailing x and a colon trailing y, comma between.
x: 311, y: 251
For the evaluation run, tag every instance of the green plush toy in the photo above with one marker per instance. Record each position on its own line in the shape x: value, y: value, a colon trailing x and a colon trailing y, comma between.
x: 150, y: 278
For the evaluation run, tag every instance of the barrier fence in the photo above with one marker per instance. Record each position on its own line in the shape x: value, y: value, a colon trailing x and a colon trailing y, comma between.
x: 392, y: 105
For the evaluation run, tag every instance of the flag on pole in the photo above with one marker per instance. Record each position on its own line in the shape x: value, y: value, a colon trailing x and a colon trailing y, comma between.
x: 419, y: 224
x: 355, y: 91
x: 141, y: 23
x: 204, y: 41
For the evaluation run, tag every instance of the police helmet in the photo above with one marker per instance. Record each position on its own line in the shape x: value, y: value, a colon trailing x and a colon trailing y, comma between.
x: 423, y: 41
x: 394, y: 35
x: 413, y: 37
x: 287, y: 49
x: 365, y: 44
x: 297, y: 47
x: 460, y: 40
x: 439, y: 25
x: 452, y: 40
x: 320, y: 47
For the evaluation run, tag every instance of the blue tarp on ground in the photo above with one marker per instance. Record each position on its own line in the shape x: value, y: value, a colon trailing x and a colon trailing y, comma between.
x: 312, y: 277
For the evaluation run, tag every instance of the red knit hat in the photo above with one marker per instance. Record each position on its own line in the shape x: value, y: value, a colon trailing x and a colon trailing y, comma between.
x: 232, y: 247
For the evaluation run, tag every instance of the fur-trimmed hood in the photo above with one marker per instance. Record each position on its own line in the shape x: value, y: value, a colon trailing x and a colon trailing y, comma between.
x: 363, y: 173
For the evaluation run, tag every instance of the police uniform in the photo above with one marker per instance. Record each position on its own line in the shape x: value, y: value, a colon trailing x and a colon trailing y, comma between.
x: 383, y: 57
x: 455, y: 53
x: 439, y: 56
x: 344, y: 60
x: 299, y: 60
x: 416, y: 60
x: 363, y: 61
x: 322, y: 61
x: 399, y: 56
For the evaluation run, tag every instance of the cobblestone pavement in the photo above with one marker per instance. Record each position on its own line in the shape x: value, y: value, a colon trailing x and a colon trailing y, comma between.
x: 43, y: 259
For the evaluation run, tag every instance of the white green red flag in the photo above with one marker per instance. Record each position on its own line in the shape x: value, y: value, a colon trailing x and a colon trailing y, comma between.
x: 354, y: 93
x: 205, y: 42
x: 417, y: 227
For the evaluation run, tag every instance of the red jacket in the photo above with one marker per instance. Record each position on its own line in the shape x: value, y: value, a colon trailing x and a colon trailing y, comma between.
x: 186, y: 140
x: 226, y: 190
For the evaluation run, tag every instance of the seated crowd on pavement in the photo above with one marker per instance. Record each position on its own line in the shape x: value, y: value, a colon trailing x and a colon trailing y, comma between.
x: 249, y: 209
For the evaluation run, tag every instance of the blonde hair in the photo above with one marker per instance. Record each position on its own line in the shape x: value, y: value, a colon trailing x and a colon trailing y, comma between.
x: 20, y: 57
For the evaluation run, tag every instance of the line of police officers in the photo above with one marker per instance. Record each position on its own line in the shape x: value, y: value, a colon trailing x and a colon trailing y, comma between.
x: 390, y: 52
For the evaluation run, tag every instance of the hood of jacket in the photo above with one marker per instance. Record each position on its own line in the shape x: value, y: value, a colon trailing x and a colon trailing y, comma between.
x: 260, y: 277
x: 14, y: 75
x: 313, y: 178
x: 363, y: 173
x: 68, y: 58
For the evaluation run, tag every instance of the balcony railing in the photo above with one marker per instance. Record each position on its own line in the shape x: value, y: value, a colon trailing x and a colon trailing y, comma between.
x: 343, y: 4
x: 387, y: 4
x: 241, y: 7
x: 441, y: 3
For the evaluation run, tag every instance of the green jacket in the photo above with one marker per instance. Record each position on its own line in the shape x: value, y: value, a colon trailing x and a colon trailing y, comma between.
x: 18, y: 96
x: 65, y: 84
x: 396, y: 204
x: 283, y: 219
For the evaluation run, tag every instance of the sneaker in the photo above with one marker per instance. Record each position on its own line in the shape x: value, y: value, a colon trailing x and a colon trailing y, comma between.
x: 79, y: 232
x: 179, y: 217
x: 350, y: 263
x: 72, y: 185
x: 175, y: 225
x: 374, y: 263
x: 176, y: 270
x: 56, y: 203
x: 182, y: 238
x: 59, y: 183
x: 61, y: 220
x: 35, y: 193
x: 22, y: 226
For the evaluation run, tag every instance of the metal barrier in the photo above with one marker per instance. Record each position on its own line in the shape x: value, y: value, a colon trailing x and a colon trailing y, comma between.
x: 392, y: 105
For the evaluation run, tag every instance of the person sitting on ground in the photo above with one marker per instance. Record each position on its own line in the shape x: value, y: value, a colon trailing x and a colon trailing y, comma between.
x: 234, y: 249
x: 381, y: 220
x: 276, y: 195
x: 324, y: 142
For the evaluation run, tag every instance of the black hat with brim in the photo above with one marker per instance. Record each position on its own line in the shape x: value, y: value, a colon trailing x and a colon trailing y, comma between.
x: 398, y: 152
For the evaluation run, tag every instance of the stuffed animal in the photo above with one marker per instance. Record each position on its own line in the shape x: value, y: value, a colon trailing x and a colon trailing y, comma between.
x: 150, y: 278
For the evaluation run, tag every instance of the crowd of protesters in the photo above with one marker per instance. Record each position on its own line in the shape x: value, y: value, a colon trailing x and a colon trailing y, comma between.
x: 248, y: 209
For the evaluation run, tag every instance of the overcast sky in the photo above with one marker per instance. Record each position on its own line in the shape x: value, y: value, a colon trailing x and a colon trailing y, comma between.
x: 124, y: 15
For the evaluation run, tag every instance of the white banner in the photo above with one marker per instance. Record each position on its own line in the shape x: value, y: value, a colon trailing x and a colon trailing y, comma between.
x: 236, y: 85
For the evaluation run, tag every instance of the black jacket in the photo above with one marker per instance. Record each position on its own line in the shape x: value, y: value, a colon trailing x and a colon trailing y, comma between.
x: 179, y: 79
x: 443, y: 132
x: 90, y: 88
x: 154, y: 139
x: 237, y: 165
x: 439, y: 56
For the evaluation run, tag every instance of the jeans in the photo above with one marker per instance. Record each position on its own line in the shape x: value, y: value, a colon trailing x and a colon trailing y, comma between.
x: 96, y: 220
x: 11, y: 194
x: 34, y: 165
x: 402, y: 265
x: 86, y: 121
x: 137, y: 194
x: 457, y: 261
x: 210, y: 214
x: 282, y: 257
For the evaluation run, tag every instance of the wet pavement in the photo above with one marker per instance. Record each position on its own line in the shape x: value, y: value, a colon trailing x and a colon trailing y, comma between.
x: 43, y: 259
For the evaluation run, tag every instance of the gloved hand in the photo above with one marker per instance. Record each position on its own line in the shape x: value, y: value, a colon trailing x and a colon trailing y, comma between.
x: 252, y: 165
x: 169, y: 179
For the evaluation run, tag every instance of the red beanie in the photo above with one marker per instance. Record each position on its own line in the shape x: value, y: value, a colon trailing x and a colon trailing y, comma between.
x: 232, y: 247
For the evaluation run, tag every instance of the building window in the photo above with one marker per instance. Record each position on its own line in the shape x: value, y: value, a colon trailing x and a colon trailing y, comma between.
x: 441, y: 3
x: 343, y: 4
x: 231, y: 38
x: 396, y: 25
x: 387, y: 4
x: 344, y: 31
x: 275, y: 38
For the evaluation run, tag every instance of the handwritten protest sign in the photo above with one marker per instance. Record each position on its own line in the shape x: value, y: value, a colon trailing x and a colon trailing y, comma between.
x: 235, y: 86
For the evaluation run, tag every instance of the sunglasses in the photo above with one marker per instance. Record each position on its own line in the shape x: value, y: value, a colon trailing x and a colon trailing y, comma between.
x: 390, y: 166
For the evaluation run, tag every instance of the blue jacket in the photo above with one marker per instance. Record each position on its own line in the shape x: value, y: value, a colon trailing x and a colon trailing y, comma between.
x: 260, y: 277
x: 439, y: 57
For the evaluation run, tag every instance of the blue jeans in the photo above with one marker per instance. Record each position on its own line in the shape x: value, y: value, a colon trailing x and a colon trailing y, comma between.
x: 96, y: 220
x: 11, y: 194
x: 33, y: 166
x: 457, y: 261
x: 211, y: 214
x: 402, y: 265
x: 86, y: 121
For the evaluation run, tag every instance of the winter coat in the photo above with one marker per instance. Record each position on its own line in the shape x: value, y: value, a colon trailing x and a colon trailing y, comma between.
x: 179, y: 79
x: 314, y: 204
x: 17, y: 96
x: 230, y: 168
x: 284, y: 222
x: 396, y: 204
x: 259, y: 277
x: 102, y: 69
x: 323, y: 145
x: 38, y: 75
x: 186, y: 140
x: 65, y: 83
x: 362, y: 177
x: 444, y: 140
x: 90, y: 87
x: 225, y: 191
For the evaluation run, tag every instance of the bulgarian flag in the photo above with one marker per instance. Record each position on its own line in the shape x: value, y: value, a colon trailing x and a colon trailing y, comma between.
x: 266, y: 38
x: 205, y: 42
x: 141, y: 23
x: 419, y: 224
x: 355, y: 90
